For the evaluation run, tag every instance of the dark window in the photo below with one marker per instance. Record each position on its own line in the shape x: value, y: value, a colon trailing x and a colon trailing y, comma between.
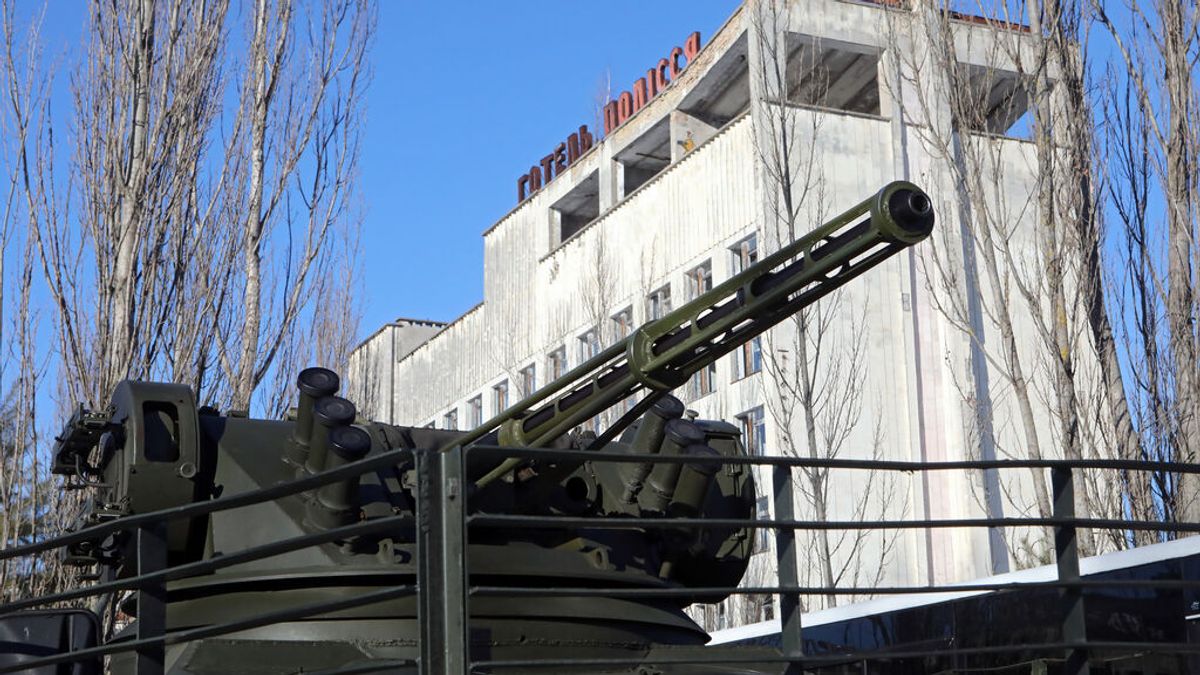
x: 826, y: 74
x: 658, y: 303
x: 700, y: 280
x: 577, y: 208
x: 754, y: 430
x: 500, y: 397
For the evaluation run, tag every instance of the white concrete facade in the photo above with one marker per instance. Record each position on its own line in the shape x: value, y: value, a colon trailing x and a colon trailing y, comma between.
x: 545, y: 297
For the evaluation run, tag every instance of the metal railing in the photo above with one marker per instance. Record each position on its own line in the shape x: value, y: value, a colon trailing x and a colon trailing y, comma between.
x: 443, y: 588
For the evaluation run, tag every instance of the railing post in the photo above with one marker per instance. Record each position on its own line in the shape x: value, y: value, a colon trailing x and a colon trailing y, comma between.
x: 791, y: 637
x: 441, y: 563
x: 1066, y: 554
x: 151, y: 597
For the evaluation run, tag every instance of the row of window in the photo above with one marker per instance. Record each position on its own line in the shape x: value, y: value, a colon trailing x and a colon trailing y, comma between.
x: 746, y: 360
x: 752, y: 423
x: 722, y: 616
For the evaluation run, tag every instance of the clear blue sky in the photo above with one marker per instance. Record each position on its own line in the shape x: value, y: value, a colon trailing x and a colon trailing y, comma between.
x: 466, y: 97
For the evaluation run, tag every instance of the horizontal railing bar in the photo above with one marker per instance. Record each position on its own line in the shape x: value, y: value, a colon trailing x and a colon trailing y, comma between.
x: 192, y: 634
x: 392, y: 457
x: 220, y: 561
x: 713, y: 655
x: 248, y: 498
x: 614, y: 523
x: 837, y: 463
x: 590, y: 591
x: 356, y: 669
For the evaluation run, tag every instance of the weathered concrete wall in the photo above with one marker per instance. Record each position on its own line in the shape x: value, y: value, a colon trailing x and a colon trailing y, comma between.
x: 541, y: 295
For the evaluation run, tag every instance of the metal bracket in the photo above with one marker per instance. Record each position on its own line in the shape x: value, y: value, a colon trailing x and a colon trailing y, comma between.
x: 151, y: 597
x: 441, y: 562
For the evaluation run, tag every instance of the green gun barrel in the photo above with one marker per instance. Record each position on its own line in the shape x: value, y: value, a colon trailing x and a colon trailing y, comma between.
x: 663, y: 354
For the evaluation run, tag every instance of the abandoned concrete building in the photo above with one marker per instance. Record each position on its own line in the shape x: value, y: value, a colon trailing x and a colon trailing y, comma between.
x: 673, y: 196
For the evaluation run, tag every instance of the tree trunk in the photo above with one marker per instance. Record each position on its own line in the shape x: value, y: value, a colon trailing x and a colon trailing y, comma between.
x: 252, y: 243
x: 116, y: 338
x: 1180, y: 187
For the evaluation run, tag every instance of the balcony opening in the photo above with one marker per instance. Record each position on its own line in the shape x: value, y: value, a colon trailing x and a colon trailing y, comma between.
x: 825, y: 73
x: 577, y: 208
x: 645, y: 157
x: 993, y: 101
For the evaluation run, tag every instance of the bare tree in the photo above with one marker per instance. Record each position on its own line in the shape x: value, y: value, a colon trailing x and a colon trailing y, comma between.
x: 294, y: 155
x: 172, y: 233
x: 201, y: 256
x: 1012, y: 277
x: 1113, y: 371
x: 1152, y: 142
x: 326, y: 334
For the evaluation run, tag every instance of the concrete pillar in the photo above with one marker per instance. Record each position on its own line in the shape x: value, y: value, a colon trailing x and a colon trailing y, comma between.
x: 611, y: 178
x: 687, y: 132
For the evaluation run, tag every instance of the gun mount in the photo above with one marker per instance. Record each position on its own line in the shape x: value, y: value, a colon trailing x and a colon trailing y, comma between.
x: 154, y: 449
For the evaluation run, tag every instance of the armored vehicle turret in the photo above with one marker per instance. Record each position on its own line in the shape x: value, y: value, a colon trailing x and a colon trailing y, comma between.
x: 329, y: 541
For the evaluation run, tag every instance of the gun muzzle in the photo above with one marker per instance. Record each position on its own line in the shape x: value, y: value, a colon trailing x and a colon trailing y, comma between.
x: 337, y: 503
x: 314, y: 384
x: 912, y: 210
x: 329, y: 413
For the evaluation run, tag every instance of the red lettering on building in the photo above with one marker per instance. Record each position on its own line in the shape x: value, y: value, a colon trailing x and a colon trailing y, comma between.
x: 660, y: 74
x: 616, y: 112
x: 531, y: 180
x: 624, y: 107
x: 639, y: 95
x: 691, y: 47
x: 610, y: 116
x: 656, y: 80
x: 554, y: 164
x: 560, y: 159
x: 572, y: 148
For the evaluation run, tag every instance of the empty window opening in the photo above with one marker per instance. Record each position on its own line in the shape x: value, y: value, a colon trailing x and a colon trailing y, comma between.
x: 500, y: 397
x: 743, y: 254
x: 475, y: 411
x: 557, y: 363
x: 747, y: 359
x: 828, y: 74
x: 589, y: 345
x: 528, y: 377
x: 703, y: 382
x: 762, y: 539
x: 622, y: 323
x: 992, y: 101
x: 645, y: 157
x: 577, y: 208
x: 658, y: 303
x: 754, y: 430
x: 700, y: 280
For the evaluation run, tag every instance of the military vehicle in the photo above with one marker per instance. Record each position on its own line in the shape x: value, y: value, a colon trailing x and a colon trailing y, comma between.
x: 328, y: 542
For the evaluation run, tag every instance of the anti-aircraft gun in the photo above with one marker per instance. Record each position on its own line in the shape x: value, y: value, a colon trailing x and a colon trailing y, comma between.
x: 365, y: 497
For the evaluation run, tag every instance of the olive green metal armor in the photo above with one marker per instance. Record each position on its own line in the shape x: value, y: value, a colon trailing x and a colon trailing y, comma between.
x: 155, y: 449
